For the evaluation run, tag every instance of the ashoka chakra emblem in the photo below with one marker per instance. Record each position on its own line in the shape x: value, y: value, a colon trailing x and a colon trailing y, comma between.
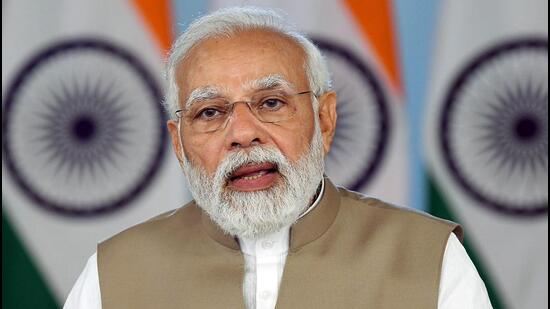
x: 83, y: 127
x: 494, y: 128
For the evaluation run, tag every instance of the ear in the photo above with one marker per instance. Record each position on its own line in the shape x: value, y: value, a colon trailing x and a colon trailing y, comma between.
x: 327, y: 118
x: 173, y: 130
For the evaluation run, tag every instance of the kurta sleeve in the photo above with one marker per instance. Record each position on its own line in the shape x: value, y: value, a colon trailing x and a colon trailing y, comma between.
x: 460, y: 285
x: 85, y: 294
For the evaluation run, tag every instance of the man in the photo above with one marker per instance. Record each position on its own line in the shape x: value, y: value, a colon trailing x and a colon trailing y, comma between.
x: 254, y: 116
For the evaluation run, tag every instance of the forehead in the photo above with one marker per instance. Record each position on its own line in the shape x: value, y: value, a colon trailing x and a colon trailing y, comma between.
x: 233, y: 62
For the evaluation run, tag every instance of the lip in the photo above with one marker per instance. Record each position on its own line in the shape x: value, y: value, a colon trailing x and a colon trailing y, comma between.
x: 253, y: 168
x: 254, y: 177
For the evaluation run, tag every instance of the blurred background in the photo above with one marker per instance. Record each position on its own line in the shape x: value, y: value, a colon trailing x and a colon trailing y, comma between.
x: 443, y: 107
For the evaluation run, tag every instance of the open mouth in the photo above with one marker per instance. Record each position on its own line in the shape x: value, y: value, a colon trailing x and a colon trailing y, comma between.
x: 254, y: 177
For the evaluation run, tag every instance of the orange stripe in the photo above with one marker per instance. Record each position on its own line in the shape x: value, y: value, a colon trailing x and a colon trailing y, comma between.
x: 157, y: 15
x: 376, y: 21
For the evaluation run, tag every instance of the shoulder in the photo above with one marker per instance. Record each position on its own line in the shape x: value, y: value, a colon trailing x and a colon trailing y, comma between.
x: 365, y: 209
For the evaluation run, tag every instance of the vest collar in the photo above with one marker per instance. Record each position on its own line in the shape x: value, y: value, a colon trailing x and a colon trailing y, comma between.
x: 305, y: 230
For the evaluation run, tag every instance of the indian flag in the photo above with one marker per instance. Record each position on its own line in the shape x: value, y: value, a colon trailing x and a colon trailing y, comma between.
x: 84, y: 148
x: 369, y: 152
x: 487, y: 141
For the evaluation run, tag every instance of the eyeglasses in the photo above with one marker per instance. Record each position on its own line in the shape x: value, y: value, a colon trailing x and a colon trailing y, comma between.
x: 211, y: 115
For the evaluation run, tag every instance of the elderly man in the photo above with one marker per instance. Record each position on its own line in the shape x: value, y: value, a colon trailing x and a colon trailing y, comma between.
x: 254, y: 116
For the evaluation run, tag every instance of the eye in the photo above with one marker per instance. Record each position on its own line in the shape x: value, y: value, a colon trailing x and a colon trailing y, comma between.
x: 209, y: 113
x: 272, y: 104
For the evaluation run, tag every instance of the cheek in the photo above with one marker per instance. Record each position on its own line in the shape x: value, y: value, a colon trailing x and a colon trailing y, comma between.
x: 204, y: 153
x: 295, y: 147
x: 306, y: 127
x: 295, y: 140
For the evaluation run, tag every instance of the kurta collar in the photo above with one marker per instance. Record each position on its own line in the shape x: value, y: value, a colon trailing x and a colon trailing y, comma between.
x: 307, y: 229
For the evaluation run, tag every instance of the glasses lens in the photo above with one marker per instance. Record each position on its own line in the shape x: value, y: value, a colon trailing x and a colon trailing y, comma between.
x: 208, y: 116
x: 274, y: 107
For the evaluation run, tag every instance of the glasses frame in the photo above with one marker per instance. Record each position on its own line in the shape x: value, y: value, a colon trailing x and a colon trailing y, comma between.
x: 179, y: 113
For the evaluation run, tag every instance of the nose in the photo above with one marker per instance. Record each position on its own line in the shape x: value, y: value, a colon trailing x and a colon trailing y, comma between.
x: 244, y: 129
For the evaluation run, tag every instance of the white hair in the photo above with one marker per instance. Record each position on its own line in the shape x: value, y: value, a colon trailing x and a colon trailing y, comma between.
x: 226, y: 23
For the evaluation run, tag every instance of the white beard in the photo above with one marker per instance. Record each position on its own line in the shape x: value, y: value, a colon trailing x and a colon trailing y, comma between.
x: 258, y: 213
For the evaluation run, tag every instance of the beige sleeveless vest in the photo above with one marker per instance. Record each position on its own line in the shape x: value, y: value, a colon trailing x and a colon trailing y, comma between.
x: 349, y: 252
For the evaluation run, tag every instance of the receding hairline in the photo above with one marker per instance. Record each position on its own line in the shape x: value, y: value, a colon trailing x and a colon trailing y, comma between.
x: 244, y: 31
x: 228, y: 22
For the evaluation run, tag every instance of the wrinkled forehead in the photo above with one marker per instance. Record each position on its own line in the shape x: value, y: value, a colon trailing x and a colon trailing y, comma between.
x: 241, y: 63
x: 271, y: 82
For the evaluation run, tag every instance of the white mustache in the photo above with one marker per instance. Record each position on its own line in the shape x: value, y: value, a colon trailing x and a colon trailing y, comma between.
x: 256, y: 155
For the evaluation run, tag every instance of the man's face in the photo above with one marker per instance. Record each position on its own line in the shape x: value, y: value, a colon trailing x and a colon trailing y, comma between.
x: 231, y: 65
x: 237, y: 69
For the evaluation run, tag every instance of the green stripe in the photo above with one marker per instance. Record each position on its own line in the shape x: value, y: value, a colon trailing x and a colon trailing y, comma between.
x: 22, y: 284
x: 439, y: 207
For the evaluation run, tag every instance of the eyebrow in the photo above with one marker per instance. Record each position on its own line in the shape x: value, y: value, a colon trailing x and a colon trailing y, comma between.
x: 269, y: 82
x: 202, y: 94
